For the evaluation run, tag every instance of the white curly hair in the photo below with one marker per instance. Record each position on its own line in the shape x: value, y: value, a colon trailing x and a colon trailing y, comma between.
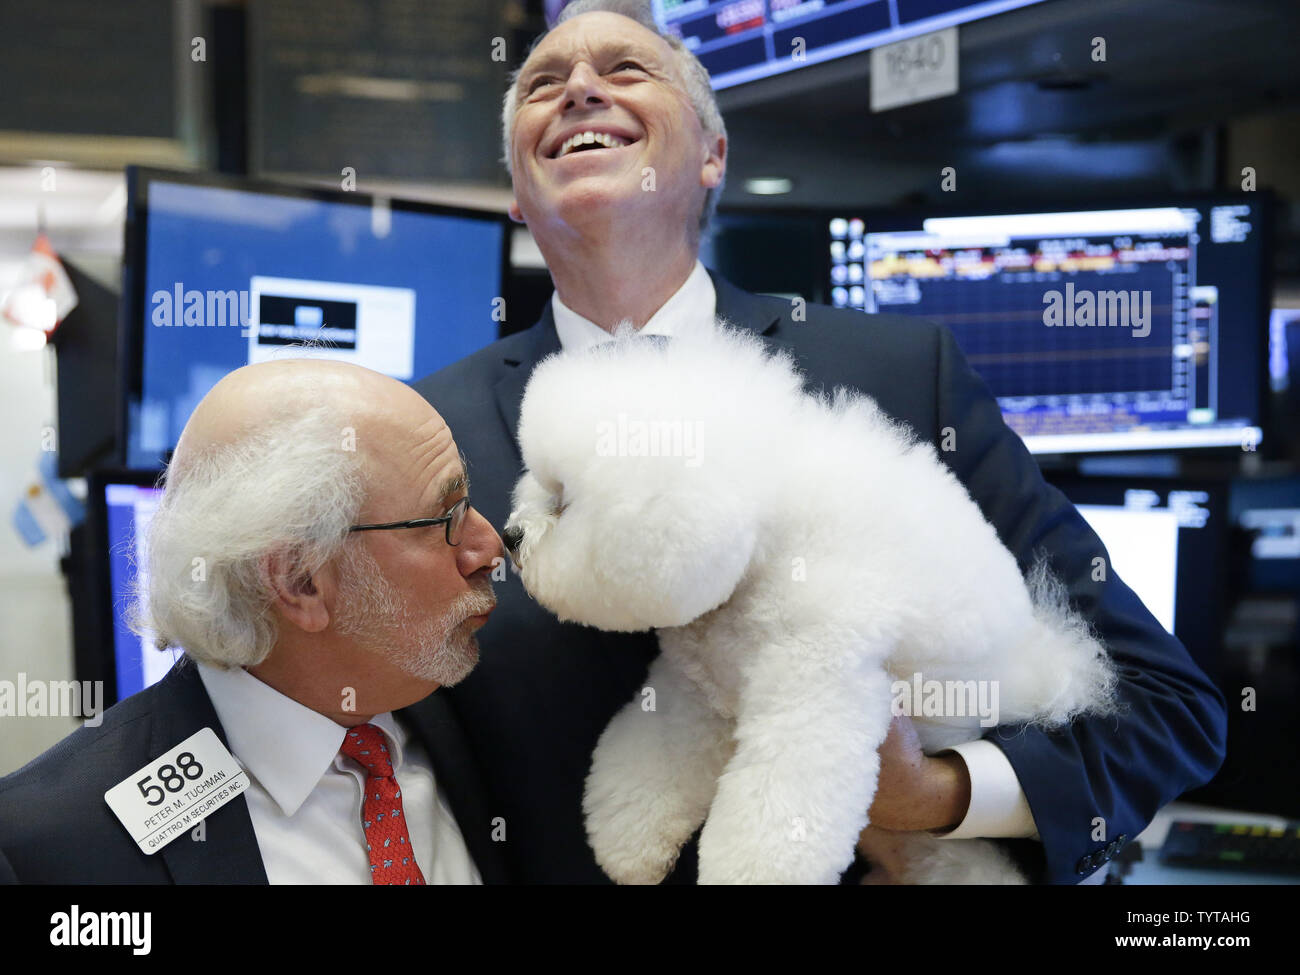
x: 294, y: 489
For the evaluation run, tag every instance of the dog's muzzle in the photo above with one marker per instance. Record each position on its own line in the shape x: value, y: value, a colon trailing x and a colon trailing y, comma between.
x: 512, y: 538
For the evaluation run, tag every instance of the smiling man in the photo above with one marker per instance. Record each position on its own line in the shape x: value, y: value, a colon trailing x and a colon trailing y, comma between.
x: 617, y: 153
x: 316, y: 556
x: 614, y: 146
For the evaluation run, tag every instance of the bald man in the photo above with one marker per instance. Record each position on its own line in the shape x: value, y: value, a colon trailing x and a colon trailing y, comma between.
x: 316, y: 556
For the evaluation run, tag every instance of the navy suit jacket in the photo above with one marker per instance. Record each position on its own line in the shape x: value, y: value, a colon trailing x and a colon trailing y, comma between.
x: 55, y: 827
x: 544, y: 691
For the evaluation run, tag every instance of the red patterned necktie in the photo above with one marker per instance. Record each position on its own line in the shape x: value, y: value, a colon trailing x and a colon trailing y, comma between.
x: 392, y: 861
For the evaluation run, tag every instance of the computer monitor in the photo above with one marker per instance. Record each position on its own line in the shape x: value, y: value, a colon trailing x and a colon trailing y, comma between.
x: 1284, y: 349
x: 1097, y: 329
x: 1167, y: 540
x: 1284, y: 380
x: 219, y: 273
x: 119, y: 506
x: 743, y: 40
x: 1268, y: 510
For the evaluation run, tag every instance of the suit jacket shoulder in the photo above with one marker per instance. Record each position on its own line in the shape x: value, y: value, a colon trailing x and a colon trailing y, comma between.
x: 892, y: 358
x: 467, y: 375
x: 55, y: 826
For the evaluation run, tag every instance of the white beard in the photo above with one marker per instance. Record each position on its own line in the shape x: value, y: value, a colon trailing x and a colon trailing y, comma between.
x: 442, y: 649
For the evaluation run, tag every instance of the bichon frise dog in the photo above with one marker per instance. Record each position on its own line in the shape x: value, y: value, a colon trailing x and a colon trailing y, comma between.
x: 805, y: 561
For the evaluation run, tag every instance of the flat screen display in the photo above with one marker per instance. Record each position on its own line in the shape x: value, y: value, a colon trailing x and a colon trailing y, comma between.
x: 222, y: 274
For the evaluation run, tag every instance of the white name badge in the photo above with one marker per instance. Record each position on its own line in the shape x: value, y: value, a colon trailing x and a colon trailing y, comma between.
x: 176, y: 791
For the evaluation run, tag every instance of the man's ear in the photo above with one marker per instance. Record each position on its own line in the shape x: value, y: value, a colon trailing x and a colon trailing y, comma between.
x: 297, y: 596
x: 715, y: 161
x: 516, y: 214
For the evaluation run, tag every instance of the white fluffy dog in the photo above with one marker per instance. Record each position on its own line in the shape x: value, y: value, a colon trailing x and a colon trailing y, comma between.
x: 797, y: 555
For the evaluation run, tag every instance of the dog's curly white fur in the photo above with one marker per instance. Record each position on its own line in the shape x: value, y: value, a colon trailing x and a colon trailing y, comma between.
x: 796, y: 553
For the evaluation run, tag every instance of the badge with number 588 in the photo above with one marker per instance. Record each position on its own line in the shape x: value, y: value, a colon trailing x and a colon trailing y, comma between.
x: 176, y: 791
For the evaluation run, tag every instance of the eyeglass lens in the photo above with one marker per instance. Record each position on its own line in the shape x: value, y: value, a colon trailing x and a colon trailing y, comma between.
x: 458, y: 513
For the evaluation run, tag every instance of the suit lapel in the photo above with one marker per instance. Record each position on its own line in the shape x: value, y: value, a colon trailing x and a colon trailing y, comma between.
x: 228, y: 853
x: 544, y: 341
x: 744, y: 310
x: 458, y: 778
x: 738, y: 308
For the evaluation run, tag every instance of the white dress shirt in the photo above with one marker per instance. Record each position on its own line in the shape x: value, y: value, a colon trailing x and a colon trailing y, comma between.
x: 690, y: 309
x: 998, y: 807
x: 997, y: 803
x: 304, y: 796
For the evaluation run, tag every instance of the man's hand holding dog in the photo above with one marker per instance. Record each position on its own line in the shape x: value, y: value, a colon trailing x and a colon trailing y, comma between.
x: 915, y: 790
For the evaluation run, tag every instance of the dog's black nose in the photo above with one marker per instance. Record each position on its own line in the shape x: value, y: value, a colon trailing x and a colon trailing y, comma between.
x: 512, y: 537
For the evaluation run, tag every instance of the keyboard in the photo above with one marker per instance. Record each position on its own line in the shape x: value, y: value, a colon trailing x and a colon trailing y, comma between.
x: 1227, y: 846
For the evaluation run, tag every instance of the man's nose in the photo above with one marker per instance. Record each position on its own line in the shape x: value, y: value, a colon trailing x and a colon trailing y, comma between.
x: 481, y: 545
x: 584, y: 87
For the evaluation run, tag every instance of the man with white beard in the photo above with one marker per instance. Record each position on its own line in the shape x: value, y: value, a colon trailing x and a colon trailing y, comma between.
x: 316, y: 556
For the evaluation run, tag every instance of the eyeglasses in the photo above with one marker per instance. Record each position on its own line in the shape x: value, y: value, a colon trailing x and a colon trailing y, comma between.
x: 454, y: 519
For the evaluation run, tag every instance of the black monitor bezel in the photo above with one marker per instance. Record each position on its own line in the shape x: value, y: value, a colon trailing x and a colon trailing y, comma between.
x: 132, y: 318
x: 99, y: 660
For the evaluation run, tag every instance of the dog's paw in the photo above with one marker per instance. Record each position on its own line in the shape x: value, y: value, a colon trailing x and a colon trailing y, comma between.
x: 635, y: 834
x: 756, y: 834
x: 642, y: 867
x: 627, y: 847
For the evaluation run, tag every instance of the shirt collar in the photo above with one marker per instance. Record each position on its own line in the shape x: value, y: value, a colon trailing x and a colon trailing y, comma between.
x: 692, y: 307
x: 285, y: 745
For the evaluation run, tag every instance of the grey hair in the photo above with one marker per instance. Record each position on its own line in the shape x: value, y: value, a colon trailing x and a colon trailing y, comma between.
x: 695, y: 77
x: 294, y: 490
